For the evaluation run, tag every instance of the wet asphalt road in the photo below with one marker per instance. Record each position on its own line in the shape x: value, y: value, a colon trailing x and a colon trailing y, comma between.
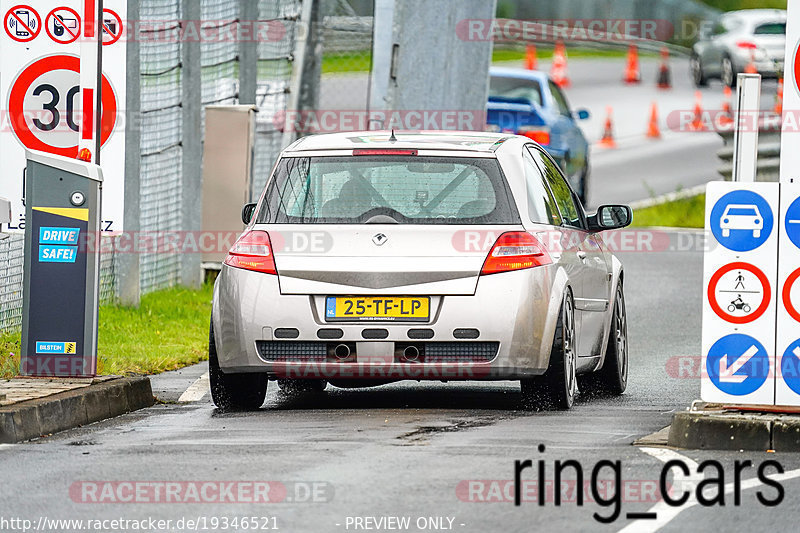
x: 406, y: 449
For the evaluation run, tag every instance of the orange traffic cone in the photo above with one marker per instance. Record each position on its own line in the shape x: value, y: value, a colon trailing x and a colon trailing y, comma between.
x: 653, y: 131
x: 726, y: 119
x: 751, y: 66
x: 697, y: 123
x: 664, y: 74
x: 632, y: 72
x: 559, y: 70
x: 779, y: 99
x: 531, y: 62
x: 608, y: 132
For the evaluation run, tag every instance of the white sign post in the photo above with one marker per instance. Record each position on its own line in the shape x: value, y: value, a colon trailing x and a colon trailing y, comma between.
x: 40, y: 89
x: 787, y: 388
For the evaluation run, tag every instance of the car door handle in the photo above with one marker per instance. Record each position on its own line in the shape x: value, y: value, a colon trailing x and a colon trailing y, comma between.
x: 581, y: 255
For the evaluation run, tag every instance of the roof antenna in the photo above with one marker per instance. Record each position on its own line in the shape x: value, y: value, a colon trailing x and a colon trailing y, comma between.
x: 392, y: 139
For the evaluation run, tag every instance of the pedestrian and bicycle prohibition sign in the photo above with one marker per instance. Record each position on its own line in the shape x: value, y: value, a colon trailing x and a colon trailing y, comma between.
x: 44, y: 106
x: 22, y: 23
x: 63, y: 25
x: 739, y: 293
x: 791, y: 295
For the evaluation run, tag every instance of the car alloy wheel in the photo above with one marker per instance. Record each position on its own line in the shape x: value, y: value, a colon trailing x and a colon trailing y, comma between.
x: 728, y: 74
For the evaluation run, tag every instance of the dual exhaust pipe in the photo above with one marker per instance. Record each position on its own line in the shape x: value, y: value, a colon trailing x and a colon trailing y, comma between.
x: 408, y: 354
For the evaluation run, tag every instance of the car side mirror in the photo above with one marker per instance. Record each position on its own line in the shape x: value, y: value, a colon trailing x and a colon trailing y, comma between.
x: 247, y: 213
x: 583, y: 114
x: 611, y: 217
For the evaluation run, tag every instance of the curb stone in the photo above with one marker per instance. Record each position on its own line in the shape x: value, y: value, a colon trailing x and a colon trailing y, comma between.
x: 66, y: 410
x: 735, y: 431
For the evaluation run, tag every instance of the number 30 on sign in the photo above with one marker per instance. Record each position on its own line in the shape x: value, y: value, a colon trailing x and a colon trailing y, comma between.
x: 45, y: 109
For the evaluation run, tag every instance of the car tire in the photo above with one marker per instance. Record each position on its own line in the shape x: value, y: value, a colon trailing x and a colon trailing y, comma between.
x: 302, y: 386
x: 728, y: 72
x: 612, y: 378
x: 696, y: 67
x: 556, y: 389
x: 234, y: 392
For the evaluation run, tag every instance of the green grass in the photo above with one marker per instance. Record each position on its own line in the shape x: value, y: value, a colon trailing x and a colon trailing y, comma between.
x: 352, y: 62
x: 683, y: 213
x: 360, y: 61
x: 168, y: 331
x: 735, y: 5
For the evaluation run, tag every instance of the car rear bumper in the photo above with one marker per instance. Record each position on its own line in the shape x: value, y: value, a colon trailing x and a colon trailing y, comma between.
x: 514, y: 314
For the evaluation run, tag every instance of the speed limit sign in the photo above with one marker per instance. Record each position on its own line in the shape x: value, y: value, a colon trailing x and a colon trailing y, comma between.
x: 43, y: 103
x: 45, y: 109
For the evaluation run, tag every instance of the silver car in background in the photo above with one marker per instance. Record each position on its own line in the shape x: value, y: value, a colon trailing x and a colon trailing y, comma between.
x: 725, y: 48
x: 373, y: 257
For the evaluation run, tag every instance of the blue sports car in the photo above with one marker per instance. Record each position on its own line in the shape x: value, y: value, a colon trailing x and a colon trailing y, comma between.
x: 529, y: 103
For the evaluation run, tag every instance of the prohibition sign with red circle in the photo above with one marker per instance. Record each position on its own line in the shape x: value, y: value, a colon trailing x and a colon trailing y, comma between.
x: 787, y: 295
x: 31, y: 34
x: 107, y: 30
x: 712, y: 293
x: 23, y: 83
x: 70, y: 34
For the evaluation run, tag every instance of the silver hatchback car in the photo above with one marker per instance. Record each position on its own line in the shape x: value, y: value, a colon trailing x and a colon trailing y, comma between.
x: 735, y: 40
x: 373, y: 257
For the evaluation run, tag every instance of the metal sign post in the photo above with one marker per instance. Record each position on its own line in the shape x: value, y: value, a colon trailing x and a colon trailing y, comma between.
x: 745, y: 137
x: 62, y: 267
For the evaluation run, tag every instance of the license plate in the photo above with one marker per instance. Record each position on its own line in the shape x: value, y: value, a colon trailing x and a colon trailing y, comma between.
x: 386, y: 308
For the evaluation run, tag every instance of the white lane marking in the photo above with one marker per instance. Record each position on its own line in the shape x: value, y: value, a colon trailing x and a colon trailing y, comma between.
x: 666, y: 512
x: 196, y: 390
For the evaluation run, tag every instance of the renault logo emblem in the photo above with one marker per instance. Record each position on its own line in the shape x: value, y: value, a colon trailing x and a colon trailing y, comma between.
x: 380, y: 239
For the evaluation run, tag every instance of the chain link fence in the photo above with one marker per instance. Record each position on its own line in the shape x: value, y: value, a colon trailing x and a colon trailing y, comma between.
x: 161, y: 150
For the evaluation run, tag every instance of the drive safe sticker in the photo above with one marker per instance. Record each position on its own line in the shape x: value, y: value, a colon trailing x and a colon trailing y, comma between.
x: 57, y: 289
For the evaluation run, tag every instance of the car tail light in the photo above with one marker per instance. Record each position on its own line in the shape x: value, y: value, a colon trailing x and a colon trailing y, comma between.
x: 517, y: 250
x: 252, y: 251
x: 540, y: 136
x: 746, y: 44
x: 388, y: 151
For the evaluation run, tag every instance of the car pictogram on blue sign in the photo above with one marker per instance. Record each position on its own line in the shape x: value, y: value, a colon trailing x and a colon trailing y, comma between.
x: 742, y: 221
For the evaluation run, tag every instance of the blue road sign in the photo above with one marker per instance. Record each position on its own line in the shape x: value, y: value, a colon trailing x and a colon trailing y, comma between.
x: 738, y: 364
x: 741, y: 221
x: 793, y: 222
x: 790, y: 366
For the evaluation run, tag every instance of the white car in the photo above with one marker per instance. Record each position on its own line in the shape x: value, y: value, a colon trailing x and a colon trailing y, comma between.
x: 741, y: 217
x: 449, y: 256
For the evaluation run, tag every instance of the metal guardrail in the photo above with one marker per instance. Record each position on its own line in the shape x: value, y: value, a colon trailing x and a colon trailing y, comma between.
x: 769, y: 153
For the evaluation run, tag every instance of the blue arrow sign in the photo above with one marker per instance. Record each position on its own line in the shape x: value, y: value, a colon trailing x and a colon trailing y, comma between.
x: 738, y: 364
x: 793, y: 222
x: 741, y: 221
x: 790, y: 366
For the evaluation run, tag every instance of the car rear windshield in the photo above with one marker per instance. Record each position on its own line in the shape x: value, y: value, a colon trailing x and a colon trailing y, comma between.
x: 774, y: 28
x: 387, y: 189
x: 743, y: 211
x: 516, y: 88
